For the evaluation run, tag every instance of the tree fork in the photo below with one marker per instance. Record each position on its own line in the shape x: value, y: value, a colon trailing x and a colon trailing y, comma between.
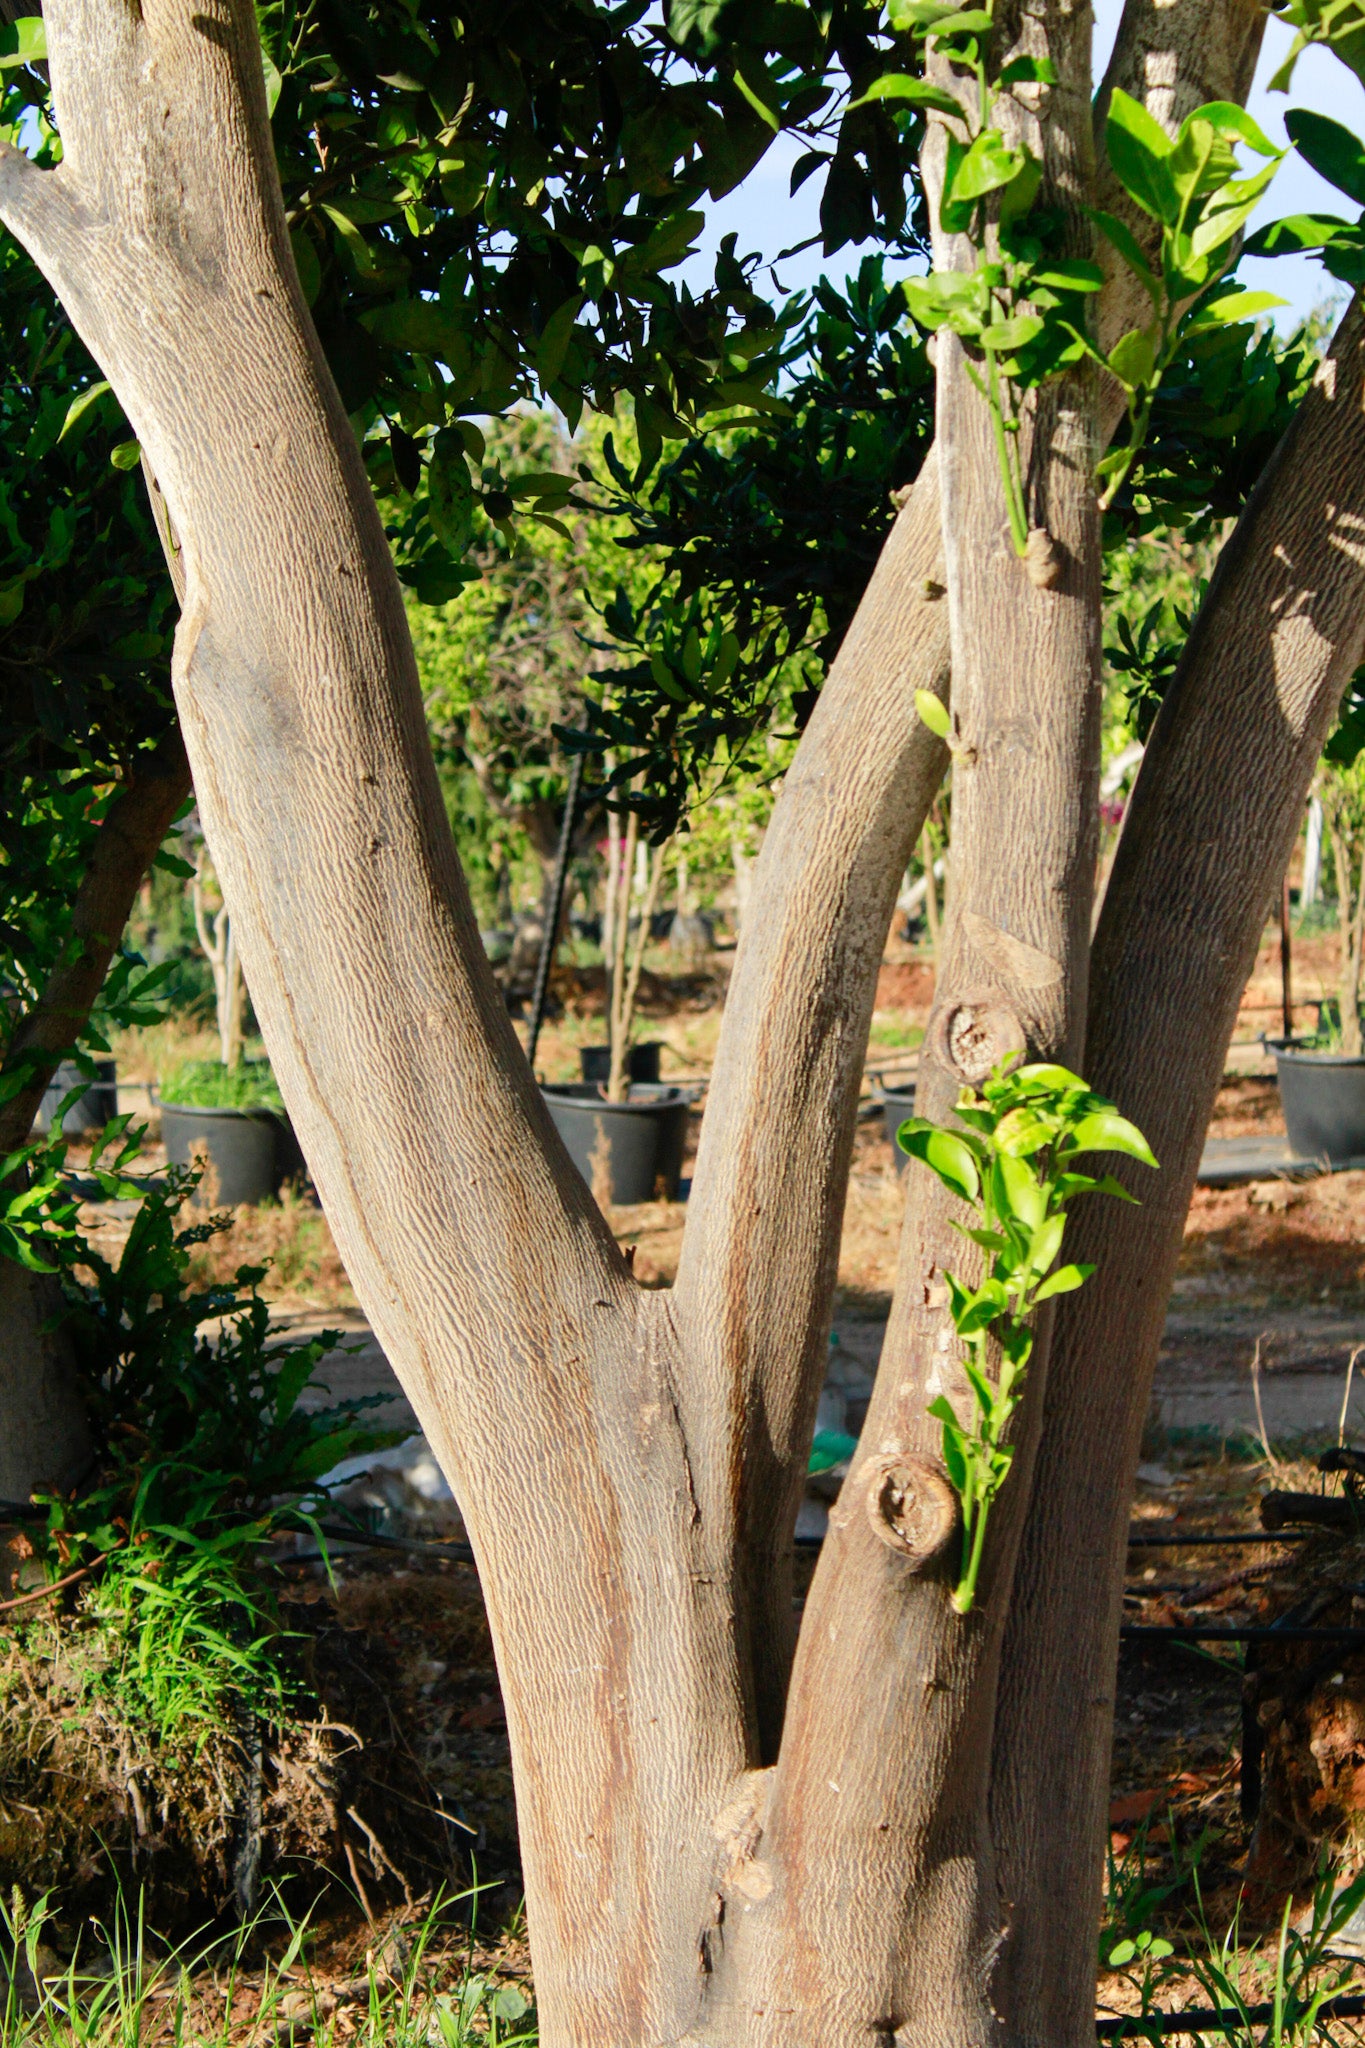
x: 1207, y: 836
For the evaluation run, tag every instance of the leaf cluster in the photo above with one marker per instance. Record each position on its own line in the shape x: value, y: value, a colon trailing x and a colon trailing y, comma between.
x: 202, y: 1452
x: 767, y: 532
x: 1012, y: 1160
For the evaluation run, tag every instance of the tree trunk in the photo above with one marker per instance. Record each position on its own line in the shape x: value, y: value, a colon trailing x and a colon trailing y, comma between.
x: 1207, y: 836
x: 44, y: 1441
x: 628, y: 1463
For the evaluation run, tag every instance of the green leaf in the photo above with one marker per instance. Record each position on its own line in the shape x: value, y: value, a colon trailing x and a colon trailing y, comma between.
x: 1017, y: 332
x: 764, y: 112
x: 1023, y: 1198
x: 1332, y: 150
x: 898, y: 85
x: 79, y: 407
x: 933, y: 713
x: 23, y: 41
x: 307, y: 264
x: 1133, y: 358
x: 1231, y: 122
x: 1065, y: 1280
x: 554, y: 341
x: 1068, y: 274
x: 945, y: 1154
x: 1292, y: 235
x: 126, y: 455
x: 1231, y: 308
x: 963, y: 21
x: 985, y: 167
x: 274, y: 84
x: 1138, y: 150
x: 1029, y: 71
x: 1047, y: 1242
x: 1107, y: 1131
x: 1122, y: 239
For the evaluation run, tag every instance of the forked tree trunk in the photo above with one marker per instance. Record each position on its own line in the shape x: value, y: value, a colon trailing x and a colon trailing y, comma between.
x: 628, y: 1463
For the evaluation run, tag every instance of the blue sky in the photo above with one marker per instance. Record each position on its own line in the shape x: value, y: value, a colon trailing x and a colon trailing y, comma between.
x: 767, y: 219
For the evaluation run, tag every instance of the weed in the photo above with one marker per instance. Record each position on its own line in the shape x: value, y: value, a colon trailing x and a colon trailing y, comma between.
x: 417, y: 1987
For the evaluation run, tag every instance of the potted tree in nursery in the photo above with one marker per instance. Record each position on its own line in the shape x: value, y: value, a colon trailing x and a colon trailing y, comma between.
x: 625, y: 1135
x: 1322, y: 1078
x: 227, y: 1112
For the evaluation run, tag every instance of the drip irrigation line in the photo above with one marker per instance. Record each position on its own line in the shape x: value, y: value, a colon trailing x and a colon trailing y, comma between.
x: 1205, y: 2020
x: 1174, y: 1542
x: 1177, y: 1632
x: 364, y: 1539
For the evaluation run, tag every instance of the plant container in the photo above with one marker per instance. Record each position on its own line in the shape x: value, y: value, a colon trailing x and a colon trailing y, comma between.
x: 642, y: 1062
x: 95, y: 1108
x: 633, y: 1148
x: 897, y: 1105
x: 1323, y: 1094
x: 244, y: 1149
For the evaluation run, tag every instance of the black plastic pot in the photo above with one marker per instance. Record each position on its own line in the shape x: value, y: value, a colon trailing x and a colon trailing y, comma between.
x: 95, y: 1108
x: 897, y: 1105
x: 243, y: 1145
x: 636, y: 1145
x: 642, y: 1062
x: 1323, y: 1094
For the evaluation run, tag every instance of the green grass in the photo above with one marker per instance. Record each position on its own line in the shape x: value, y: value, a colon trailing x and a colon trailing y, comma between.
x: 417, y: 1987
x: 207, y: 1084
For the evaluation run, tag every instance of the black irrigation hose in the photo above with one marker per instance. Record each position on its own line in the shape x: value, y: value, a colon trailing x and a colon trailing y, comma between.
x: 364, y: 1539
x: 1136, y: 1542
x: 1128, y: 2027
x: 1175, y: 1632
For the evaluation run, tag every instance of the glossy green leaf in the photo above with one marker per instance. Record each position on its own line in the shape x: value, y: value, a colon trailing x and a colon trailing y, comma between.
x: 1138, y: 148
x: 79, y: 407
x: 1107, y: 1131
x: 918, y: 92
x: 1065, y: 1280
x: 945, y: 1154
x: 1234, y: 306
x: 23, y: 41
x: 1133, y: 358
x: 1294, y: 234
x: 988, y: 164
x: 1029, y: 71
x: 1334, y: 153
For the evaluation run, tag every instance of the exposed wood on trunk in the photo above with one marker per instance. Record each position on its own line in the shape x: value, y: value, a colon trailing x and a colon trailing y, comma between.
x: 1205, y: 842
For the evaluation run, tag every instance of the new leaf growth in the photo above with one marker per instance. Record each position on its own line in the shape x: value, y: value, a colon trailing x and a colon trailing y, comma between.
x: 1013, y: 1163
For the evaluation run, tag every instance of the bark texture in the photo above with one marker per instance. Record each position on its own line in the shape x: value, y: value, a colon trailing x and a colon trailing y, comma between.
x: 1218, y: 800
x: 627, y: 1463
x: 756, y: 1279
x: 44, y: 1440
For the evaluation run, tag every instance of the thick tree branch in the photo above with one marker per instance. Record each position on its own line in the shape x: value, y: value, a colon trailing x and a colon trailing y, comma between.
x: 1209, y: 830
x: 757, y: 1272
x: 132, y: 830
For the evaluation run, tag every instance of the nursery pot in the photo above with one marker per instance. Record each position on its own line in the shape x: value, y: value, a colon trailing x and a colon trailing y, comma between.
x: 897, y: 1105
x: 243, y: 1147
x: 1323, y: 1094
x: 635, y: 1146
x: 642, y: 1062
x: 95, y: 1108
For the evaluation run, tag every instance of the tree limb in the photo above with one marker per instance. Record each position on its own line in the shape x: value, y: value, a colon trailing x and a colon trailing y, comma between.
x: 132, y: 830
x: 1208, y: 833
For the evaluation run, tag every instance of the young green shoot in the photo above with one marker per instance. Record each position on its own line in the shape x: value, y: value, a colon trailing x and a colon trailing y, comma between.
x: 1013, y: 1162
